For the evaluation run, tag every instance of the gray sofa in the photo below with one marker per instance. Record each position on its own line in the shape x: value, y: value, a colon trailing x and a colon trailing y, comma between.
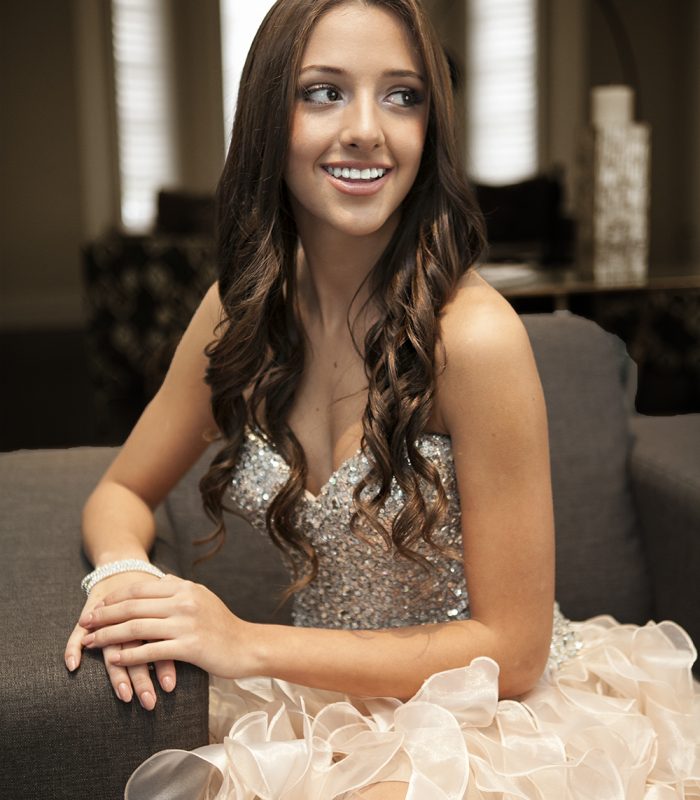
x: 627, y: 507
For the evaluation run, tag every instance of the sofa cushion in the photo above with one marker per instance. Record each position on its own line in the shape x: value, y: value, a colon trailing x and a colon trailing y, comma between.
x: 600, y: 563
x: 665, y: 469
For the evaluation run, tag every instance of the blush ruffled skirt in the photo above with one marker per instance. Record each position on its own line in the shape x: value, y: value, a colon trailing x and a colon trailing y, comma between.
x: 618, y: 721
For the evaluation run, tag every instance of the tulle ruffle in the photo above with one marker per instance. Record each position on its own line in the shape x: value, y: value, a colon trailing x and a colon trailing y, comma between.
x: 621, y: 720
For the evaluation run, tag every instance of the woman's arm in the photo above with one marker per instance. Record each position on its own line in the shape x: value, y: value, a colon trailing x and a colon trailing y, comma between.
x: 171, y: 434
x: 173, y: 431
x: 490, y: 401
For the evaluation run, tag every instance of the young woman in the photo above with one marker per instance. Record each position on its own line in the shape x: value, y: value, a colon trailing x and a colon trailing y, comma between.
x: 349, y: 343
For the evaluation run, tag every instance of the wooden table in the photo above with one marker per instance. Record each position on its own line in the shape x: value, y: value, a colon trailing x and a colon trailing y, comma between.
x: 560, y: 283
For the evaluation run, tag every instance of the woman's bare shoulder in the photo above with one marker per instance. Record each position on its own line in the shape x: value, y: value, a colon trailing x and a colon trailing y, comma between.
x: 484, y: 347
x: 478, y: 322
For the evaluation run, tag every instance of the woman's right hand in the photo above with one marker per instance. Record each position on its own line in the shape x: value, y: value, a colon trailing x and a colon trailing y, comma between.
x: 125, y: 681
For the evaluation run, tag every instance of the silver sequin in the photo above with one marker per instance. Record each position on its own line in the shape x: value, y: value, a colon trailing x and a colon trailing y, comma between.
x: 363, y: 584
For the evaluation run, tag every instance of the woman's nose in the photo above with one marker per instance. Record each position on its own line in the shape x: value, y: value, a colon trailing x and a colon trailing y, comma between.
x: 362, y: 124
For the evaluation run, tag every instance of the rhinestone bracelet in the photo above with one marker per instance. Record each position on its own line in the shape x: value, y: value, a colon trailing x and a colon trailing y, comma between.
x: 114, y: 568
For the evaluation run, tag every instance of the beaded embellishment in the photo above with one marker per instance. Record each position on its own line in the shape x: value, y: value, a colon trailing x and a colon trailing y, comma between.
x: 363, y: 584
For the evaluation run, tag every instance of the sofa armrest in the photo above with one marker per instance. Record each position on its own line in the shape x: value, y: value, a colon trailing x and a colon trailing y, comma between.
x: 665, y: 468
x: 63, y: 735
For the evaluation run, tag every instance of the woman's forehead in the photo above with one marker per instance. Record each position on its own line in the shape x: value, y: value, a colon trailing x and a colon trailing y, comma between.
x: 355, y: 35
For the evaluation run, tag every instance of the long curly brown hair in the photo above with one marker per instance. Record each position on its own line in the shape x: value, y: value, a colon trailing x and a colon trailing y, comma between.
x: 258, y: 360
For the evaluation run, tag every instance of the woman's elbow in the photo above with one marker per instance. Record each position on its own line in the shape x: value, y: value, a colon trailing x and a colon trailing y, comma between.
x: 520, y: 674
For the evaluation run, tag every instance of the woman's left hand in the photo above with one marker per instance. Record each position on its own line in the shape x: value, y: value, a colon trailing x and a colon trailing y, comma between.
x: 175, y: 619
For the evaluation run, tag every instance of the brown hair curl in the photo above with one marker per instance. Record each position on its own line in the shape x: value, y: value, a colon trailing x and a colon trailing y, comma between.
x: 262, y: 343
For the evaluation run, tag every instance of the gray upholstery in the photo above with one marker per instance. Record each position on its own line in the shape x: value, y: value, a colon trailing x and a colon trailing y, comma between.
x: 665, y: 465
x: 68, y: 736
x: 627, y: 509
x: 583, y: 372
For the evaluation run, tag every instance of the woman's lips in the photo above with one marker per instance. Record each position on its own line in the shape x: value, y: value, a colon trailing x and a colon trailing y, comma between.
x: 358, y: 187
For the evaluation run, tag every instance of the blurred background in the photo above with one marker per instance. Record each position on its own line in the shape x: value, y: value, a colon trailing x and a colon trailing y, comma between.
x: 114, y: 121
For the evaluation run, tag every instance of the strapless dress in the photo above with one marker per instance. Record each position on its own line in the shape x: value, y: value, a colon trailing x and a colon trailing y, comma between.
x: 616, y: 714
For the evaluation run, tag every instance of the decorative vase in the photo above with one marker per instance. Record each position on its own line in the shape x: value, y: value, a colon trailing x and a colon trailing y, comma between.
x: 613, y: 191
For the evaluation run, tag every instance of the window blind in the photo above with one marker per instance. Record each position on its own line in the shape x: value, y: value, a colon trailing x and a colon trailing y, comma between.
x: 145, y: 113
x: 502, y: 112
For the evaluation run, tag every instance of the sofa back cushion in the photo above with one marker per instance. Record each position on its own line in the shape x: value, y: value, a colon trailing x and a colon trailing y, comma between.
x: 584, y: 373
x: 600, y: 567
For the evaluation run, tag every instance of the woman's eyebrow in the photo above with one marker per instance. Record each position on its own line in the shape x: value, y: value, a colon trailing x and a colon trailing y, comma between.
x: 390, y: 73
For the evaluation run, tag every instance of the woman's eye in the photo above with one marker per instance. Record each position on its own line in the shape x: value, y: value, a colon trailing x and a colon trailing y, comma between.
x: 405, y: 97
x: 321, y: 95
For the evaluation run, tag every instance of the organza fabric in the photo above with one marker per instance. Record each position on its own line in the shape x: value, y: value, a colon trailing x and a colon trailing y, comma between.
x: 615, y: 716
x: 619, y: 721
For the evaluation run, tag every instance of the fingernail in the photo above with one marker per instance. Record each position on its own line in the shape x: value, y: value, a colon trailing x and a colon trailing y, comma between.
x: 124, y: 692
x: 70, y: 663
x: 148, y: 701
x: 88, y: 640
x: 168, y: 683
x: 85, y: 621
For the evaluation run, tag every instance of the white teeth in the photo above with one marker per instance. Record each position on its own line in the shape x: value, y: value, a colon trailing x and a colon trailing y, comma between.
x: 368, y: 174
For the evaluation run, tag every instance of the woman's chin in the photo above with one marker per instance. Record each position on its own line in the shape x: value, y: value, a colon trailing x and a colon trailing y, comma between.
x: 370, y: 225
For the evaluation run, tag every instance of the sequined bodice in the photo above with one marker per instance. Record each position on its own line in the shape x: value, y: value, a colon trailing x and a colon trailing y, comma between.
x: 360, y: 584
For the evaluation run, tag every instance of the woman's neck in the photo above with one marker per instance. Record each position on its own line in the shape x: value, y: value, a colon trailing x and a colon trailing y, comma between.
x: 333, y: 276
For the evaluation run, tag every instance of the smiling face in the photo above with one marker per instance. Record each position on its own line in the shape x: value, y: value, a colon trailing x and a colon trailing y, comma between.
x: 358, y: 125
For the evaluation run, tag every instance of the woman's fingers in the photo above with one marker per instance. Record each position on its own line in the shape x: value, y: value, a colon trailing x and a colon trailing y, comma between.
x: 117, y: 625
x: 134, y: 680
x: 74, y: 648
x: 118, y: 675
x: 137, y: 679
x: 164, y: 587
x: 124, y: 681
x: 165, y: 670
x: 141, y: 680
x: 146, y: 653
x: 129, y: 631
x: 121, y: 612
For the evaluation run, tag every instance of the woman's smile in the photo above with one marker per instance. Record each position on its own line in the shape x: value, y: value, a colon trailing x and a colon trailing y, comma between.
x: 358, y: 125
x: 357, y: 179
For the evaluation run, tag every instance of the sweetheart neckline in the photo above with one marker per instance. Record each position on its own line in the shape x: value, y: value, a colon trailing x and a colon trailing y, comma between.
x: 308, y: 494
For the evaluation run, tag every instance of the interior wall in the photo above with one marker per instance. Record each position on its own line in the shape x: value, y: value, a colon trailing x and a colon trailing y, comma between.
x: 450, y: 20
x: 58, y: 159
x: 199, y: 92
x: 563, y: 84
x: 664, y: 39
x: 40, y: 206
x: 97, y: 120
x: 690, y: 230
